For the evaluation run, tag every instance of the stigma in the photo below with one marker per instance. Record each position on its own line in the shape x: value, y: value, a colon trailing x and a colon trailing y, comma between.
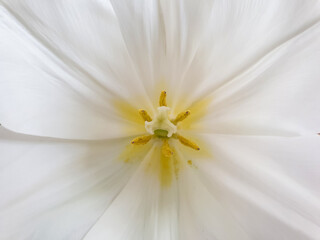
x: 161, y: 126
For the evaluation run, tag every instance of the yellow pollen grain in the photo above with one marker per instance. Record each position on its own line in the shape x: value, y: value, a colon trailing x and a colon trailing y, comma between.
x: 163, y: 99
x: 145, y: 116
x: 181, y: 116
x: 141, y: 140
x: 187, y: 142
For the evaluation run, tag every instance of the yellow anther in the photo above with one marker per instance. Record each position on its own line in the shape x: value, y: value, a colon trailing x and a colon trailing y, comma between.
x: 181, y: 116
x: 187, y: 142
x: 145, y: 115
x: 141, y: 140
x: 166, y: 150
x: 163, y: 99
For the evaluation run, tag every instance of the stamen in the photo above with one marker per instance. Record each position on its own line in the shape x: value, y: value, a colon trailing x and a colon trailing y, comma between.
x: 166, y: 150
x: 141, y: 140
x: 180, y: 117
x: 187, y: 142
x: 162, y: 100
x: 145, y: 115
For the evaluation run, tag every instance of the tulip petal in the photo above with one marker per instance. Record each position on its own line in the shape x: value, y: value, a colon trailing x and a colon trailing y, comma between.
x: 201, y: 214
x: 56, y: 189
x: 269, y: 184
x: 278, y: 96
x: 226, y: 38
x: 143, y: 210
x: 195, y: 47
x: 63, y: 67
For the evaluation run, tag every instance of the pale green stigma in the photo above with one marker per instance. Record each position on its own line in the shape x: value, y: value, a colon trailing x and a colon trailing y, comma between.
x: 161, y: 133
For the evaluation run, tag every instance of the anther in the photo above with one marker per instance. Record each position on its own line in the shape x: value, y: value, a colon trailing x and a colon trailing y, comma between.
x: 187, y: 142
x: 166, y: 150
x: 145, y: 116
x: 162, y: 99
x: 141, y: 140
x: 180, y: 117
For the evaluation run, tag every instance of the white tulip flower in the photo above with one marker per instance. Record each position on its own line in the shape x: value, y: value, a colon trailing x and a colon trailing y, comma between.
x: 159, y: 119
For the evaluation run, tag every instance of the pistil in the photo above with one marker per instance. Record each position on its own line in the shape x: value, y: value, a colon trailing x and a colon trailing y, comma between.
x: 163, y: 128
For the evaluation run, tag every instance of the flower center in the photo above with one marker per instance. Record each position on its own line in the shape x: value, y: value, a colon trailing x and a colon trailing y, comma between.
x: 162, y: 130
x: 163, y: 127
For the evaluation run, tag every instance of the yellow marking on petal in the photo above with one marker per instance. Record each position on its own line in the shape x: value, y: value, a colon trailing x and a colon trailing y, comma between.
x: 163, y: 99
x: 141, y: 140
x: 166, y: 150
x: 176, y: 163
x: 166, y: 170
x: 133, y: 154
x: 145, y: 116
x: 165, y: 167
x: 198, y: 109
x: 190, y: 162
x: 181, y: 116
x: 160, y: 166
x: 129, y: 113
x: 187, y: 142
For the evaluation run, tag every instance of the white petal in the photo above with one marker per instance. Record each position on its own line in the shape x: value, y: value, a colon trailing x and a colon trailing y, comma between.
x: 269, y: 184
x: 141, y: 24
x: 56, y: 189
x: 208, y: 43
x: 63, y: 65
x: 201, y: 214
x: 143, y: 210
x: 277, y: 96
x: 162, y: 37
